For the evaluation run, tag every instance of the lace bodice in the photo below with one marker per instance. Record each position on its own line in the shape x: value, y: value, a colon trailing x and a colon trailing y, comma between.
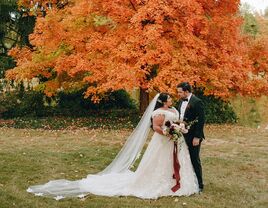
x: 169, y: 114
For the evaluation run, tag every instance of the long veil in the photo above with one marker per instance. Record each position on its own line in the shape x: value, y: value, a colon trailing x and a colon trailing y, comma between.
x: 134, y: 144
x: 125, y: 158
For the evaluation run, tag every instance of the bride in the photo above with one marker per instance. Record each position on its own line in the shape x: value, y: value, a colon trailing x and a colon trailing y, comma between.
x: 153, y: 177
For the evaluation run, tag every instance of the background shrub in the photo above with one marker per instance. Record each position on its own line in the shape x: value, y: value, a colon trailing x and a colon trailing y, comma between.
x: 216, y: 109
x: 22, y: 103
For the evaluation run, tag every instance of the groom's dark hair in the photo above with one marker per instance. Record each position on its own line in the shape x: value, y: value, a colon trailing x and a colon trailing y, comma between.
x: 185, y: 86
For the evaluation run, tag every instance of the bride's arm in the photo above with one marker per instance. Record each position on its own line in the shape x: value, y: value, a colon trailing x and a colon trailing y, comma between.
x: 158, y: 122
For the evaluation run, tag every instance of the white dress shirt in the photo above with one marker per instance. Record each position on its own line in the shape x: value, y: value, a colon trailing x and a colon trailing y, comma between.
x: 184, y: 106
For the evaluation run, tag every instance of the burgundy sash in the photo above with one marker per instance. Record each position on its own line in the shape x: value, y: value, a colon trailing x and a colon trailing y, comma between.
x: 176, y: 167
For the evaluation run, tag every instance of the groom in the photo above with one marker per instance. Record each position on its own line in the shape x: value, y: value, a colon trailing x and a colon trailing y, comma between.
x: 191, y: 108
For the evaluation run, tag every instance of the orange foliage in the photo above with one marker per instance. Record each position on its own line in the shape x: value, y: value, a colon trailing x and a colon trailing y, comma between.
x: 258, y: 54
x: 153, y: 44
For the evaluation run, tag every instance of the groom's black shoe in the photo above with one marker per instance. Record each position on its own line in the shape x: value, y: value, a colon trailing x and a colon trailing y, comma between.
x: 200, y: 190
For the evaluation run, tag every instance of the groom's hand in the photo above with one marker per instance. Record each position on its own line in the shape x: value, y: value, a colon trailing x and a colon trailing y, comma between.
x: 196, y: 141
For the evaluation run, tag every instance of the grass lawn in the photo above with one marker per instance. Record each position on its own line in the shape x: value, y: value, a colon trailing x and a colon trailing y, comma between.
x: 235, y: 163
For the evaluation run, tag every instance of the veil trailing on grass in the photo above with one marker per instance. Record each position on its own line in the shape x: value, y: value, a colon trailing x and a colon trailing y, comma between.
x: 125, y: 158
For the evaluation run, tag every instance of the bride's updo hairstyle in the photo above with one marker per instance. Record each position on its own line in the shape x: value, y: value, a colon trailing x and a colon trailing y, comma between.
x: 163, y: 97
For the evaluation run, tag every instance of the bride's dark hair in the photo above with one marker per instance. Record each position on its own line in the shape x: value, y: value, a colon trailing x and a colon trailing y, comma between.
x: 163, y: 97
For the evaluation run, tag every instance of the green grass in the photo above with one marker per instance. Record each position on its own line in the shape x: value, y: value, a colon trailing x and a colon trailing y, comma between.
x: 235, y: 163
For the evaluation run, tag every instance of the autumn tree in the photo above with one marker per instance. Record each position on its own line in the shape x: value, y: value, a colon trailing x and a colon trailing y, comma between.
x: 150, y: 44
x: 258, y: 49
x: 256, y: 26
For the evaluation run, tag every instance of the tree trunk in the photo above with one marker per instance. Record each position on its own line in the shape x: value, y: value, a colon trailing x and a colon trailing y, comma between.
x: 144, y: 100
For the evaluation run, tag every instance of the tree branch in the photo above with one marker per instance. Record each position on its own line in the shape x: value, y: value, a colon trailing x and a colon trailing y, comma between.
x: 133, y: 5
x: 10, y: 38
x: 13, y: 29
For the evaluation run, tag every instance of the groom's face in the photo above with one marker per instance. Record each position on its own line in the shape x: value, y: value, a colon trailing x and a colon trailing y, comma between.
x: 182, y: 94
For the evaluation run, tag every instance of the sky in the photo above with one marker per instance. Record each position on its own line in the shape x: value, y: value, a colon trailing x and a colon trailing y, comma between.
x: 258, y: 5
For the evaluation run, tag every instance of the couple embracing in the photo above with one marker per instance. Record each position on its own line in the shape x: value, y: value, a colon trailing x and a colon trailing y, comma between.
x: 163, y: 170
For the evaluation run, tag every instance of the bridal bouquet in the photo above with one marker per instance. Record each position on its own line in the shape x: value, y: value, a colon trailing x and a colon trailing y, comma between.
x: 175, y: 130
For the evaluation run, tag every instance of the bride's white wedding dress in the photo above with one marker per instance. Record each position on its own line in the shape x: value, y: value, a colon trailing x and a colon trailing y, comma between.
x: 152, y: 179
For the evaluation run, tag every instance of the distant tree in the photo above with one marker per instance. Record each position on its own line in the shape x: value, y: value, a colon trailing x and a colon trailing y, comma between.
x: 15, y: 28
x: 246, y: 8
x: 266, y: 12
x: 250, y: 25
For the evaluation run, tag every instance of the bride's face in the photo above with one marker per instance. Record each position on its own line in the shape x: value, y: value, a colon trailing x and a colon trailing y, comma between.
x: 169, y: 102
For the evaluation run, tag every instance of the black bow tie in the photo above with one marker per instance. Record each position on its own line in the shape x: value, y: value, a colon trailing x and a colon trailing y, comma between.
x: 185, y: 99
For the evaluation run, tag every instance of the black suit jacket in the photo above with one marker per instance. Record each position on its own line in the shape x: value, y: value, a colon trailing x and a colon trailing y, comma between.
x: 194, y: 111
